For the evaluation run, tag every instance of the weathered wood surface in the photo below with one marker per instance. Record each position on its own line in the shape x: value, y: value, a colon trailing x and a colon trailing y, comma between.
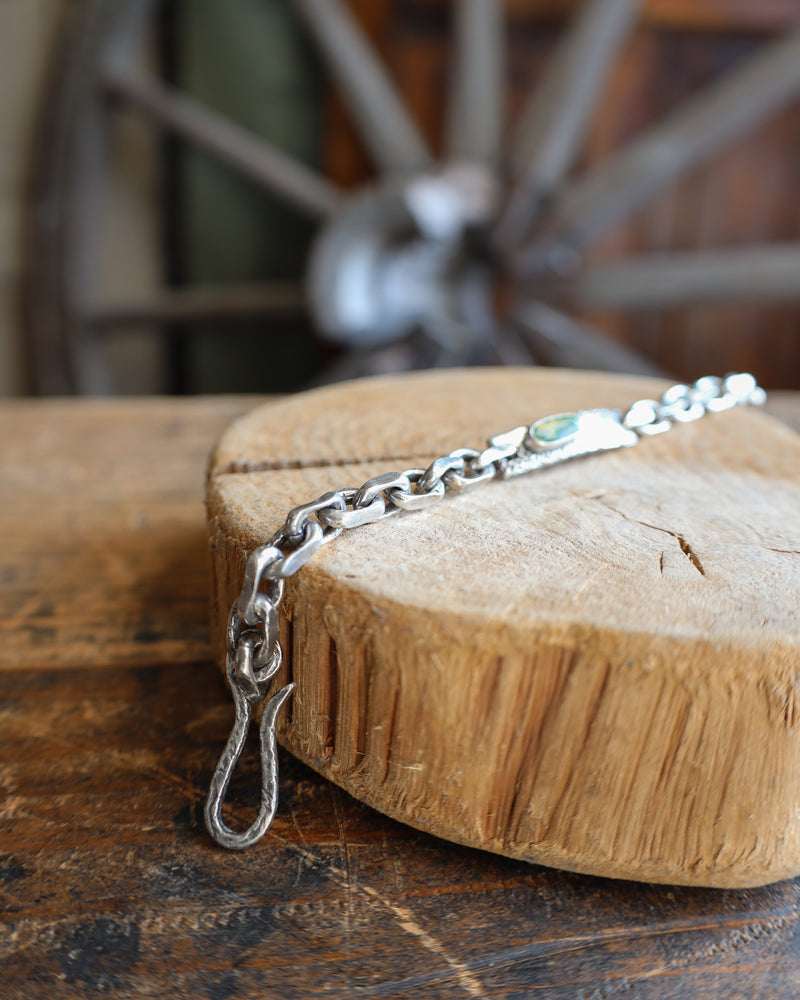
x: 102, y: 538
x: 593, y: 667
x: 108, y: 884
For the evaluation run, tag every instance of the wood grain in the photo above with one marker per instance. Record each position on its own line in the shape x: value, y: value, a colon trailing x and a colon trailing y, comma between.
x: 594, y: 667
x: 108, y: 884
x: 102, y: 543
x: 712, y: 15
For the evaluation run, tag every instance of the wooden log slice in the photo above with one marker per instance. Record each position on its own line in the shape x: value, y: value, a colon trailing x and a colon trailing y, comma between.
x: 593, y: 667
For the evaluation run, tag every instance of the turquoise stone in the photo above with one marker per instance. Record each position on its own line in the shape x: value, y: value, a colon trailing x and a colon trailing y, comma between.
x: 555, y: 430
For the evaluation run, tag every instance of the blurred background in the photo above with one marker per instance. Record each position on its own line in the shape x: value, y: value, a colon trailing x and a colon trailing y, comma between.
x: 263, y: 195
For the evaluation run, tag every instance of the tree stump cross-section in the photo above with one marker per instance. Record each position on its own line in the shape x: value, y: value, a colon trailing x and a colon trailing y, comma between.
x: 593, y: 667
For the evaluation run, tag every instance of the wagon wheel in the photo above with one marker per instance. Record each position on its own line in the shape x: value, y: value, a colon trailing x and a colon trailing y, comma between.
x: 483, y: 250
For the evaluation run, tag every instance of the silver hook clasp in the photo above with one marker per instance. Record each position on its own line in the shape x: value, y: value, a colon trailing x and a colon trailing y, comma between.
x: 245, y: 687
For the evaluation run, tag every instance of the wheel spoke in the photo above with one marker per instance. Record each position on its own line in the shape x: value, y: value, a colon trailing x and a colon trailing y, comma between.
x: 552, y: 126
x: 475, y: 112
x: 753, y: 274
x: 558, y: 339
x: 704, y: 125
x: 250, y: 155
x: 129, y: 24
x: 377, y: 109
x: 190, y: 305
x: 510, y: 347
x: 89, y: 373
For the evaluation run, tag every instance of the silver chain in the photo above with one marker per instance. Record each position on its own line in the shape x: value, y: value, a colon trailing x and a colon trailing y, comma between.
x: 254, y: 653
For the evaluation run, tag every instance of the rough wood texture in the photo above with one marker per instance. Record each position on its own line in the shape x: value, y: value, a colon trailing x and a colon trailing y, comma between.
x: 594, y: 667
x: 108, y: 884
x: 103, y: 549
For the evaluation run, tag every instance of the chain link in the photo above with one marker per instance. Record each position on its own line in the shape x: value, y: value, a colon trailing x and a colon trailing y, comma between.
x: 683, y: 403
x: 254, y: 652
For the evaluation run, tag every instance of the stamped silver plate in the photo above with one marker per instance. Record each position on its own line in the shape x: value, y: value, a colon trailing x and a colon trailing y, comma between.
x: 568, y: 435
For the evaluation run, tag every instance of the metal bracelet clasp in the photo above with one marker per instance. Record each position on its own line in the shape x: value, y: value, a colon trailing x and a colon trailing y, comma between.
x: 248, y: 682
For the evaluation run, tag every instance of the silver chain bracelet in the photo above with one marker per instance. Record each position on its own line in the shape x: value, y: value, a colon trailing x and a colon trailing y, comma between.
x: 254, y: 652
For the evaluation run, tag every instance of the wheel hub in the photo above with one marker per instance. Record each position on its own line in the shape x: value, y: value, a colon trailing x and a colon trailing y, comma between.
x: 406, y: 254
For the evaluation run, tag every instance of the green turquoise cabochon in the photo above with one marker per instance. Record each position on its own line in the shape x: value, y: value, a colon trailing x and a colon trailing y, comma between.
x: 554, y: 430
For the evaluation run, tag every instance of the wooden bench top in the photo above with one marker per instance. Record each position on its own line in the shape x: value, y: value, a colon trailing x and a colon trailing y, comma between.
x: 113, y: 716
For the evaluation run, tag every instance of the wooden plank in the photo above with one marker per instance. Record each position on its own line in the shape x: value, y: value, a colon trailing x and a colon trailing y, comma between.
x: 768, y: 273
x: 109, y: 884
x: 102, y: 542
x: 686, y: 15
x: 603, y: 197
x: 722, y: 15
x: 189, y: 304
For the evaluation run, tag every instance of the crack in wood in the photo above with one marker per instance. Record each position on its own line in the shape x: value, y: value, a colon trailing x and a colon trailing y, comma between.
x: 244, y: 468
x: 682, y: 541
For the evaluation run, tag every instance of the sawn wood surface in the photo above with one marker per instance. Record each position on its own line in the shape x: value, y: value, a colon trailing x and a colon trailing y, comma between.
x: 592, y: 667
